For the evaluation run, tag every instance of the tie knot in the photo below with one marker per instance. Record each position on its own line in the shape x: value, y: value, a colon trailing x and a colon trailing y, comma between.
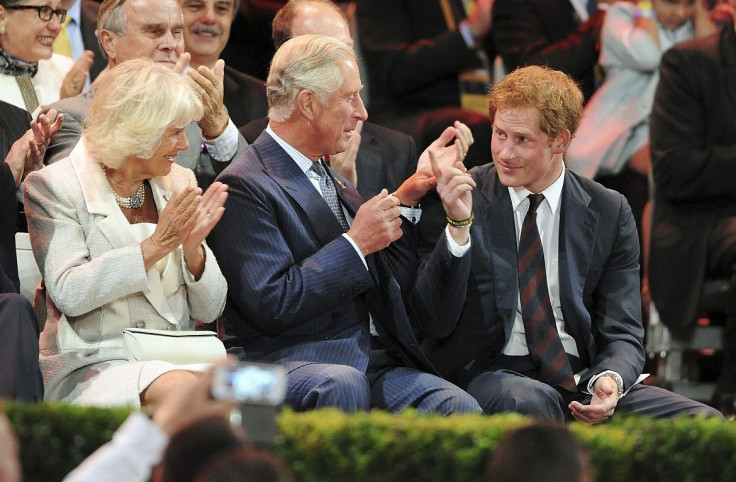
x: 534, y: 201
x: 318, y: 169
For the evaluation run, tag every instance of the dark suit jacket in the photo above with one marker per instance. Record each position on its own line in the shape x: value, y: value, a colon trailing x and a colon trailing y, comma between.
x: 75, y: 111
x: 413, y: 59
x: 693, y: 146
x: 386, y: 158
x: 547, y: 32
x: 245, y: 97
x: 14, y: 122
x: 466, y: 306
x: 297, y: 289
x: 90, y: 8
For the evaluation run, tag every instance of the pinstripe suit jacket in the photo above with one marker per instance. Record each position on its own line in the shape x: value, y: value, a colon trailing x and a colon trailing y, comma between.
x: 298, y: 291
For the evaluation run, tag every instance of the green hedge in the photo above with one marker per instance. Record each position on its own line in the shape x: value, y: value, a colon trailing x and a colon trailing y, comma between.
x: 330, y: 446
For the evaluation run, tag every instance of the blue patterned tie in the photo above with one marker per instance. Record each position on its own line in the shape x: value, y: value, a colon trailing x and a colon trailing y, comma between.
x: 329, y: 193
x: 543, y: 340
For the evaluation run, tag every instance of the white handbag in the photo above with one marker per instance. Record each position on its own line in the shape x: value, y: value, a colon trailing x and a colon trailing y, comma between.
x: 178, y: 347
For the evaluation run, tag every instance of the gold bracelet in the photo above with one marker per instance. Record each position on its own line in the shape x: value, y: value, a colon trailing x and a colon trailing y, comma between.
x: 461, y: 224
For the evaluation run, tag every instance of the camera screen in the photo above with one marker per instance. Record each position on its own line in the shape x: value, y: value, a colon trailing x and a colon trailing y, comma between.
x: 251, y: 383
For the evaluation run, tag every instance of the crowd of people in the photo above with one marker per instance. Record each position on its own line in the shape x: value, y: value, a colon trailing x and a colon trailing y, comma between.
x: 459, y: 252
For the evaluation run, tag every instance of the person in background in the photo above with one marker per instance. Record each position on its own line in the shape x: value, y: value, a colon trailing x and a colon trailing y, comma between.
x: 424, y: 61
x: 543, y: 269
x: 560, y: 34
x: 117, y: 230
x: 154, y: 29
x: 693, y: 148
x: 20, y: 378
x: 206, y: 31
x: 30, y: 73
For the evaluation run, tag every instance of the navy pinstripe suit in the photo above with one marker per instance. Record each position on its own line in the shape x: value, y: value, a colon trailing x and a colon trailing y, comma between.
x: 299, y: 294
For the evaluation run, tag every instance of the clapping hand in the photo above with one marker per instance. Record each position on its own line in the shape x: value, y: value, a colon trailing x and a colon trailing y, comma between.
x: 209, y: 85
x: 26, y: 154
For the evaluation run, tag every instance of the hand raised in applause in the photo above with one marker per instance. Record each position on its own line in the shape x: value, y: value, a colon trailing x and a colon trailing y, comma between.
x: 445, y: 154
x: 73, y: 83
x: 377, y: 223
x: 344, y: 162
x: 26, y: 154
x: 209, y: 85
x: 208, y: 214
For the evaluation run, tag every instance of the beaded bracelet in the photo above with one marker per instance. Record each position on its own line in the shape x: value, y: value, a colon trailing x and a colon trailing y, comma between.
x: 461, y: 224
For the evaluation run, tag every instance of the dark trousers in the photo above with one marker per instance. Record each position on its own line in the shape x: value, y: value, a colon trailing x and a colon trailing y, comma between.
x: 20, y: 377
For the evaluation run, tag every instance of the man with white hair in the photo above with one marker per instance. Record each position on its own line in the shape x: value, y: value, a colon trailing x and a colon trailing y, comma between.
x: 315, y: 274
x: 129, y: 29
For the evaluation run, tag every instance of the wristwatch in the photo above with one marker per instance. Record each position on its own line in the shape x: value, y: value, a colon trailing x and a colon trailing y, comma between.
x: 619, y: 383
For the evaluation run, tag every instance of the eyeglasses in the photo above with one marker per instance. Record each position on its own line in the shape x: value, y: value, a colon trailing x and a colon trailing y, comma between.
x: 45, y: 13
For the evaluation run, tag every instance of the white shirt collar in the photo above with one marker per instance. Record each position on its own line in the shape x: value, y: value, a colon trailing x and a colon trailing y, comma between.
x: 552, y: 194
x: 301, y: 160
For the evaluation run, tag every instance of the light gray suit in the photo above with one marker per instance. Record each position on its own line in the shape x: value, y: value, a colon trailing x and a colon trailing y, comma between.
x: 75, y: 111
x: 92, y: 264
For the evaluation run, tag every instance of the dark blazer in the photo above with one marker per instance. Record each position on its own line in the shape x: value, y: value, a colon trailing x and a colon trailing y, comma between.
x: 386, y: 158
x: 548, y: 32
x: 14, y: 122
x: 413, y: 59
x: 466, y: 306
x: 245, y: 97
x: 90, y: 8
x: 297, y: 289
x: 693, y: 146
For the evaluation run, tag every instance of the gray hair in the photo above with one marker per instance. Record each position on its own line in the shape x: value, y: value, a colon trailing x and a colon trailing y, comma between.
x: 304, y: 62
x: 133, y: 106
x: 110, y: 17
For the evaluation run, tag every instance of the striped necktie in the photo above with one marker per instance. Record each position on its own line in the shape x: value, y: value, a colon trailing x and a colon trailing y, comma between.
x: 543, y: 340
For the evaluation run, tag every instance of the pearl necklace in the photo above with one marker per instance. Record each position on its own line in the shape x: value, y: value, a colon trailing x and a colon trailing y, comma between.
x: 132, y: 202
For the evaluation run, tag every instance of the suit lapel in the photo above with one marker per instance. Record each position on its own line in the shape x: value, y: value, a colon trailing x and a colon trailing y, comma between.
x: 369, y: 165
x: 287, y: 174
x: 578, y: 225
x: 500, y: 234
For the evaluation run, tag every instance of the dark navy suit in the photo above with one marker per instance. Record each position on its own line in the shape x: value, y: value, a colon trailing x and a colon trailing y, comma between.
x: 299, y: 293
x: 599, y: 289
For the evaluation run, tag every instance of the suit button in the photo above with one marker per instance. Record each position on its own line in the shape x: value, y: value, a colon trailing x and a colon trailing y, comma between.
x: 140, y: 324
x: 172, y: 328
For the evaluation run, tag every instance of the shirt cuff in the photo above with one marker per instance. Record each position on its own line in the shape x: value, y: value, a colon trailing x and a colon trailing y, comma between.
x: 223, y: 148
x: 591, y: 383
x: 454, y: 248
x: 410, y: 213
x: 357, y: 249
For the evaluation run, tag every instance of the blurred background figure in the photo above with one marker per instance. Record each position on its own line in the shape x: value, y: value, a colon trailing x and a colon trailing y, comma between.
x: 30, y: 73
x: 206, y: 31
x: 78, y: 35
x: 560, y: 34
x: 132, y: 253
x: 428, y: 65
x: 542, y: 452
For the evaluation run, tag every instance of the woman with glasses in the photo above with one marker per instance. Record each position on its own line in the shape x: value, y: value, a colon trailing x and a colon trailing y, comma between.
x: 30, y: 73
